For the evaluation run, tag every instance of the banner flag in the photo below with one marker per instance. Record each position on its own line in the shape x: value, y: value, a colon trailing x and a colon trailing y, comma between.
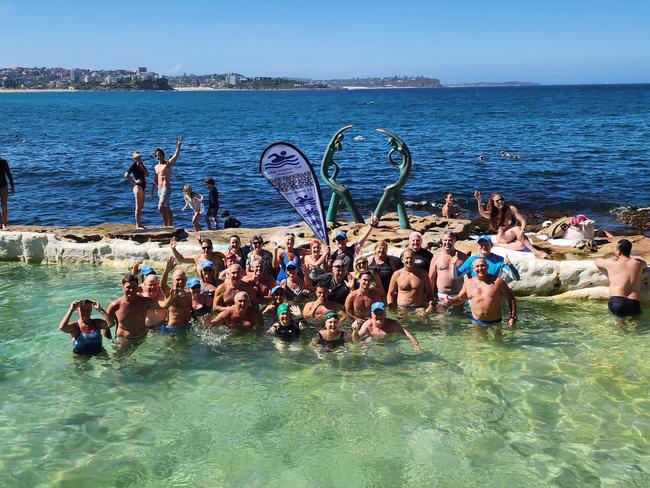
x: 290, y: 173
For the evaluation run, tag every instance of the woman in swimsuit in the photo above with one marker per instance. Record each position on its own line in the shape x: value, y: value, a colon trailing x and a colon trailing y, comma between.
x: 294, y: 283
x: 139, y: 172
x: 291, y: 253
x: 508, y: 222
x: 383, y: 264
x: 313, y: 262
x: 361, y: 265
x: 85, y: 332
x: 330, y: 336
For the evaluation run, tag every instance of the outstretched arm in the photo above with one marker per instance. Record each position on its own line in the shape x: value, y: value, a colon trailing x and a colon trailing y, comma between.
x: 414, y: 342
x: 163, y: 281
x: 178, y: 256
x: 173, y: 159
x: 374, y: 222
x: 460, y: 298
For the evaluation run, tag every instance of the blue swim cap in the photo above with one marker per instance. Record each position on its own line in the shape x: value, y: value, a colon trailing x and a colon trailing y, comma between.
x: 147, y: 270
x: 378, y: 306
x: 192, y: 282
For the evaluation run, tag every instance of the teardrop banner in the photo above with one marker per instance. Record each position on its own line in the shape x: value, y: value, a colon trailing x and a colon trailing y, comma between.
x: 290, y: 173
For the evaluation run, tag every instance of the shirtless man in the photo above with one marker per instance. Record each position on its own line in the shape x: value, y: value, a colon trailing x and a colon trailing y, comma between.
x: 130, y: 311
x: 379, y: 326
x: 162, y: 180
x: 624, y: 273
x: 440, y: 272
x: 358, y: 302
x: 485, y: 292
x: 261, y: 281
x: 241, y: 314
x: 179, y: 303
x: 207, y: 254
x: 410, y: 287
x: 319, y: 307
x: 151, y: 289
x: 224, y: 296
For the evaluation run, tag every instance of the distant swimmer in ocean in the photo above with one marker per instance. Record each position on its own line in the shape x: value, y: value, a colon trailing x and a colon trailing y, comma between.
x: 130, y: 313
x: 139, y: 182
x: 508, y: 222
x: 242, y: 313
x: 480, y: 157
x: 163, y: 181
x: 86, y: 332
x: 410, y: 287
x: 485, y: 292
x: 625, y: 273
x: 380, y: 327
x: 5, y: 177
x: 447, y: 207
x: 504, y: 154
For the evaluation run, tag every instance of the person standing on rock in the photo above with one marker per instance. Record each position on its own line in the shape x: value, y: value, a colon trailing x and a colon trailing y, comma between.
x: 5, y: 174
x: 139, y: 172
x: 162, y: 181
x: 624, y: 273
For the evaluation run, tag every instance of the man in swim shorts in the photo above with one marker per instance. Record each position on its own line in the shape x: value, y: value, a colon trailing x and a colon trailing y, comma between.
x: 178, y: 302
x: 443, y: 283
x: 495, y: 263
x: 485, y: 292
x: 625, y: 273
x: 162, y: 180
x: 410, y: 287
x: 130, y: 311
x: 319, y: 307
x: 379, y: 326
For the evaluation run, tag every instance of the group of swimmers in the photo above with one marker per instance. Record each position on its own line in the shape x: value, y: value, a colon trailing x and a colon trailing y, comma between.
x: 299, y: 288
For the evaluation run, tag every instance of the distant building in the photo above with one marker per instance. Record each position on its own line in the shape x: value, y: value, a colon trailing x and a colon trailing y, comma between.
x: 74, y: 75
x: 142, y: 69
x: 233, y: 79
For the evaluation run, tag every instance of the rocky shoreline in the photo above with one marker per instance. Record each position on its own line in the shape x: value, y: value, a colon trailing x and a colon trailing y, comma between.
x: 571, y: 274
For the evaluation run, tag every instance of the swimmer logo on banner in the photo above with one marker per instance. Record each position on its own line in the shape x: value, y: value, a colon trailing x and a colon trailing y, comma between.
x: 291, y: 174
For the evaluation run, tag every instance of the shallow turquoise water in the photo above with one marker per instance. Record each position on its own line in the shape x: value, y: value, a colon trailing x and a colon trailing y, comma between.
x: 562, y: 402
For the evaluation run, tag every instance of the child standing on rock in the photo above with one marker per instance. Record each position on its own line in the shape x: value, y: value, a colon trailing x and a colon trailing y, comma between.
x: 195, y: 201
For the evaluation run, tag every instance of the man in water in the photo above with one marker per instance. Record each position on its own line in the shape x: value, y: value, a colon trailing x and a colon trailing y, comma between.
x: 178, y: 302
x: 224, y: 296
x: 5, y: 174
x: 162, y: 180
x: 319, y: 307
x: 130, y: 311
x: 358, y: 303
x: 261, y: 281
x: 410, y: 287
x: 485, y: 292
x: 443, y: 284
x: 151, y: 289
x: 379, y: 326
x: 495, y: 263
x: 345, y: 253
x: 624, y: 273
x: 338, y: 282
x: 207, y: 254
x: 240, y: 314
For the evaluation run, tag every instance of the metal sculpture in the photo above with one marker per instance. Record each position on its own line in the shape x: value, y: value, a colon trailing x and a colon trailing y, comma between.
x: 391, y: 192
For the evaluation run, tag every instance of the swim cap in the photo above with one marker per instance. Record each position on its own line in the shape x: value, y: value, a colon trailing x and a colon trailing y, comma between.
x: 282, y: 308
x: 147, y: 270
x: 192, y: 282
x: 377, y: 306
x: 331, y: 314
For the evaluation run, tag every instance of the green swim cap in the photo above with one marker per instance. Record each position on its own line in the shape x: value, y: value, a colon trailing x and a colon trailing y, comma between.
x: 283, y: 307
x: 331, y: 314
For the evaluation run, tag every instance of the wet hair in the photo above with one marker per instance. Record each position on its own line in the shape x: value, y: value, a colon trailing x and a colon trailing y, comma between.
x: 450, y: 234
x: 209, y: 181
x: 322, y: 284
x: 207, y: 241
x: 128, y: 278
x: 234, y: 235
x: 448, y: 194
x: 366, y: 273
x: 161, y: 152
x: 497, y: 215
x: 625, y: 247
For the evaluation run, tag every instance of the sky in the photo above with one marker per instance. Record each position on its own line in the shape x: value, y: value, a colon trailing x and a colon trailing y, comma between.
x: 457, y: 41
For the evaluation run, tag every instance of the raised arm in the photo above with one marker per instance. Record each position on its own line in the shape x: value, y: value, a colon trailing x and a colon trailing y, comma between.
x: 65, y: 325
x: 177, y: 255
x: 106, y: 323
x: 163, y: 280
x: 521, y: 218
x: 479, y: 205
x: 374, y: 222
x: 174, y: 157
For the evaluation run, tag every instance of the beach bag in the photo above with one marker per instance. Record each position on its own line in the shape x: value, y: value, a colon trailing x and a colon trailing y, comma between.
x: 581, y: 228
x: 556, y: 230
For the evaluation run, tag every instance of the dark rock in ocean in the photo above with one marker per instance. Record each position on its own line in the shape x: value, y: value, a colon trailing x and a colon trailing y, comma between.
x: 638, y: 219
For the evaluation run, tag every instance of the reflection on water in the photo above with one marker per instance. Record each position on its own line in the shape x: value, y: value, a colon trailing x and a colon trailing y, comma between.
x: 562, y: 401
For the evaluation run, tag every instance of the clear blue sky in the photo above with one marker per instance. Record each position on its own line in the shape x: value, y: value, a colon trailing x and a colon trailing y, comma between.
x: 547, y: 41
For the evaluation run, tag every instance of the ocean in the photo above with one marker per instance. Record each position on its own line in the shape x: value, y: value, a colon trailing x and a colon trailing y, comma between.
x: 584, y: 149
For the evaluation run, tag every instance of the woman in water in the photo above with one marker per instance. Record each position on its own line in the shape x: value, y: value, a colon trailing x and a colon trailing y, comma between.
x: 86, y: 332
x: 139, y: 172
x: 290, y: 253
x: 383, y: 264
x: 361, y: 265
x: 508, y: 222
x: 330, y: 336
x: 447, y: 208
